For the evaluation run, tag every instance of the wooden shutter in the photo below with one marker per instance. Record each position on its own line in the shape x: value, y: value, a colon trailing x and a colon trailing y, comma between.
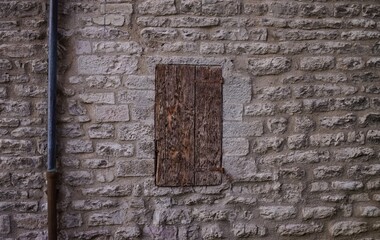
x: 188, y: 123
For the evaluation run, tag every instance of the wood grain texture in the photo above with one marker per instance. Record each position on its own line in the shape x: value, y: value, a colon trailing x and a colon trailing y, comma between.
x: 160, y: 123
x: 188, y: 111
x: 208, y: 125
x: 185, y: 145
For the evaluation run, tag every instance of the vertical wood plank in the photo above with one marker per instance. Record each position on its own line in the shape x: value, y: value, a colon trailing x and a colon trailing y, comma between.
x: 175, y: 161
x: 208, y: 125
x: 160, y: 124
x: 185, y: 145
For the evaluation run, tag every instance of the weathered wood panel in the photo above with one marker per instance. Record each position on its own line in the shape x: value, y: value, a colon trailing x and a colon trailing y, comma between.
x: 177, y: 167
x: 160, y: 123
x: 188, y: 115
x: 186, y: 76
x: 208, y: 125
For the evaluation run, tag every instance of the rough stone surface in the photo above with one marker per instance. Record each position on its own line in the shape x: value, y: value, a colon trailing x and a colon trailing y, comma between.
x: 348, y: 228
x: 277, y: 212
x: 301, y: 101
x: 269, y: 66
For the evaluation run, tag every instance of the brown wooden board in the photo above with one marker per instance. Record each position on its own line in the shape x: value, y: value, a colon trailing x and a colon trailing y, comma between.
x: 208, y: 125
x: 188, y: 111
x: 160, y: 123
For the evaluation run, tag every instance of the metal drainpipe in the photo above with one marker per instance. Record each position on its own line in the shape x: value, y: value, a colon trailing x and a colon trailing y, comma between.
x: 52, y: 83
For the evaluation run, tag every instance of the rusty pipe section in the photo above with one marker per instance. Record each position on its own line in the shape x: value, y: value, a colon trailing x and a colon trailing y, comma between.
x: 52, y: 204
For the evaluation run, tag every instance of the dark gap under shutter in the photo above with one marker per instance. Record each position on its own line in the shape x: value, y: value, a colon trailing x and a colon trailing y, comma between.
x: 188, y: 129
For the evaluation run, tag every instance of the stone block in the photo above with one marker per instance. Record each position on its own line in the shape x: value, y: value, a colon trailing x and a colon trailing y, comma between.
x: 299, y: 229
x: 356, y: 35
x: 145, y: 148
x: 30, y: 221
x: 324, y: 172
x: 103, y: 82
x: 90, y: 234
x: 237, y: 93
x: 79, y: 146
x: 139, y: 82
x: 347, y: 10
x: 314, y: 10
x: 98, y: 98
x: 70, y: 130
x: 304, y: 124
x: 77, y: 178
x: 98, y: 163
x: 371, y: 10
x: 128, y: 48
x: 154, y: 7
x: 18, y: 163
x: 260, y: 109
x: 345, y: 121
x: 135, y: 131
x: 232, y: 112
x: 277, y: 125
x: 347, y: 185
x: 5, y: 224
x: 354, y: 153
x: 369, y: 211
x: 15, y: 146
x: 246, y: 230
x: 91, y: 64
x: 373, y: 184
x: 318, y: 212
x: 239, y: 167
x: 16, y: 108
x: 158, y: 34
x: 5, y: 65
x: 350, y: 63
x: 373, y: 136
x: 360, y: 171
x: 244, y: 129
x: 75, y: 108
x: 106, y: 219
x: 101, y: 131
x: 220, y: 8
x: 255, y: 9
x: 263, y: 145
x: 319, y: 187
x: 291, y: 173
x: 252, y: 48
x: 71, y: 220
x: 278, y: 213
x: 212, y: 48
x: 348, y: 228
x: 112, y: 113
x: 135, y: 168
x: 235, y: 147
x: 317, y: 63
x: 297, y: 141
x: 191, y: 6
x: 194, y: 22
x: 109, y: 191
x: 327, y: 140
x: 269, y: 66
x: 275, y: 93
x: 131, y: 231
x: 212, y: 231
x: 112, y: 149
x: 84, y: 205
x: 82, y: 47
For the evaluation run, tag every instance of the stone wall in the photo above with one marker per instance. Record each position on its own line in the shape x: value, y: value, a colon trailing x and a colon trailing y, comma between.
x: 301, y: 118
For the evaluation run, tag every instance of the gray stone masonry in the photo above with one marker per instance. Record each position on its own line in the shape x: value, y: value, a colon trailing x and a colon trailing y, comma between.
x: 301, y: 119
